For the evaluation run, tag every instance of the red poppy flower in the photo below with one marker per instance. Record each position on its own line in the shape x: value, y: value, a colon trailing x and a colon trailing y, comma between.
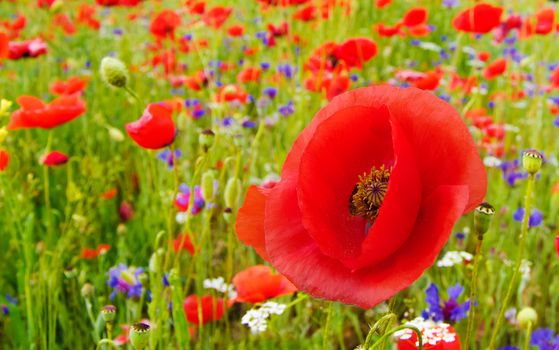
x: 45, y: 3
x: 555, y: 77
x: 368, y: 195
x: 216, y: 16
x: 4, y: 159
x: 236, y: 30
x: 429, y: 81
x: 231, y: 93
x: 382, y: 3
x: 495, y: 69
x: 249, y: 74
x: 388, y: 31
x: 155, y: 128
x: 257, y: 284
x: 183, y: 242
x: 68, y: 87
x: 29, y: 48
x: 125, y: 211
x: 54, y: 158
x: 415, y: 16
x: 557, y: 245
x: 110, y: 193
x: 435, y: 336
x: 34, y: 113
x: 212, y: 309
x: 306, y: 14
x: 89, y: 253
x: 481, y: 18
x: 4, y: 45
x: 356, y: 51
x: 545, y: 21
x: 64, y: 22
x: 165, y: 24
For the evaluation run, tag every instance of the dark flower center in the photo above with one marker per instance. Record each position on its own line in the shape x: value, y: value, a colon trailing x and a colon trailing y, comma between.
x: 368, y: 194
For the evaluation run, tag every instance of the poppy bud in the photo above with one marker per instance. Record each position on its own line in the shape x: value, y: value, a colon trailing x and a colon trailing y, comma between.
x: 527, y: 316
x: 232, y: 192
x: 115, y: 134
x: 482, y: 218
x: 87, y: 290
x: 139, y: 335
x: 54, y: 158
x: 208, y: 179
x: 114, y: 72
x: 532, y: 161
x: 109, y: 313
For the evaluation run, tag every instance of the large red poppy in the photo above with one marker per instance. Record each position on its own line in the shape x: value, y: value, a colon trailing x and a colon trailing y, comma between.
x: 368, y: 195
x: 481, y: 18
x: 257, y: 284
x: 165, y: 24
x: 34, y: 113
x: 155, y: 128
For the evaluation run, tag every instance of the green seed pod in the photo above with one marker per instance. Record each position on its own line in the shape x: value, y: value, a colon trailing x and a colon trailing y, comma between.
x: 232, y: 192
x: 482, y: 218
x: 532, y: 161
x: 208, y: 179
x: 114, y: 72
x: 109, y: 313
x: 527, y: 316
x: 139, y: 335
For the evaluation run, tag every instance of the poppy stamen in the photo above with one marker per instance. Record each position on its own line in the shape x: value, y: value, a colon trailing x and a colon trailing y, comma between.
x: 368, y: 194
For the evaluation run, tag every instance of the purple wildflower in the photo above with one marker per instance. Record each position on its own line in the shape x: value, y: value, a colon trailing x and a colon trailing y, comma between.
x: 125, y: 280
x: 446, y: 310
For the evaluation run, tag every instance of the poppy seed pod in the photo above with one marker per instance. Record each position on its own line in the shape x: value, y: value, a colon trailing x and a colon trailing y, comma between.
x: 139, y: 335
x: 482, y: 218
x: 532, y: 161
x: 109, y: 313
x: 114, y: 72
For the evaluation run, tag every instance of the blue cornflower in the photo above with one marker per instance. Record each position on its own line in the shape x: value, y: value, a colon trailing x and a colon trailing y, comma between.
x: 545, y: 339
x: 249, y: 124
x: 509, y: 347
x: 511, y: 172
x: 446, y: 310
x: 168, y: 157
x: 271, y: 92
x: 450, y: 3
x: 287, y: 109
x: 125, y: 280
x: 182, y: 201
x: 286, y: 70
x: 536, y: 217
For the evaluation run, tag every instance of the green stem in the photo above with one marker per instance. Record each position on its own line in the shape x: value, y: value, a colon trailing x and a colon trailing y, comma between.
x: 327, y: 326
x: 528, y: 336
x: 521, y: 249
x: 471, y: 316
x: 105, y: 341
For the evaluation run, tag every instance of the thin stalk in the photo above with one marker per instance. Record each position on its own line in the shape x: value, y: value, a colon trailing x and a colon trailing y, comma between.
x: 471, y: 316
x: 521, y: 249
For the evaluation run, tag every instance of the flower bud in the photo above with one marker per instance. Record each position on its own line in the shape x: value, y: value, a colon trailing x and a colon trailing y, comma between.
x: 532, y: 161
x: 208, y: 179
x: 139, y: 335
x: 232, y: 192
x: 482, y: 218
x: 527, y: 316
x: 109, y: 313
x: 87, y: 290
x: 115, y: 134
x: 114, y: 72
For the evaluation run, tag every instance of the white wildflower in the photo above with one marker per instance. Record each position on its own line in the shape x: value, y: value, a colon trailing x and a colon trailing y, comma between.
x: 454, y: 258
x: 257, y: 319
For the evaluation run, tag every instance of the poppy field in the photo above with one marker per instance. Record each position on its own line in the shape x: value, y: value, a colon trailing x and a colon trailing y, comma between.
x: 279, y: 174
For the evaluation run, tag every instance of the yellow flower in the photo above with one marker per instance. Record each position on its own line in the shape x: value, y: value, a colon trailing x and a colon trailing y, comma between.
x: 5, y: 107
